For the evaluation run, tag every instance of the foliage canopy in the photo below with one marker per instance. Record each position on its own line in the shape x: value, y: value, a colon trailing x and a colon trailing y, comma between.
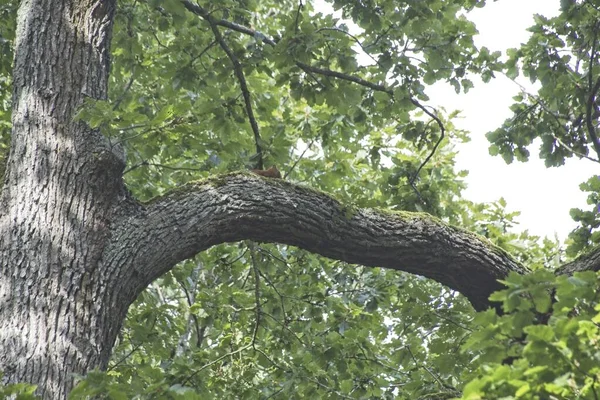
x: 343, y: 109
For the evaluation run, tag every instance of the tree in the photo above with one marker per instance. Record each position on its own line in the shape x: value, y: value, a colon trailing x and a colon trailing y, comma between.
x: 101, y: 199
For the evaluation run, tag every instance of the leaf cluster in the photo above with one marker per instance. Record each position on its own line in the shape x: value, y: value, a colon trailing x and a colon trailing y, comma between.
x: 545, y: 346
x: 561, y: 56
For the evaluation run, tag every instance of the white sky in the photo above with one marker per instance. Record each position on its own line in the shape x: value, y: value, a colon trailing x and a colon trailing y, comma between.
x: 543, y: 196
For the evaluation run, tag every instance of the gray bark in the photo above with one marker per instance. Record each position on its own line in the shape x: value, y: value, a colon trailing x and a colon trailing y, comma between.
x: 76, y: 249
x: 587, y: 262
x: 61, y: 185
x: 243, y: 206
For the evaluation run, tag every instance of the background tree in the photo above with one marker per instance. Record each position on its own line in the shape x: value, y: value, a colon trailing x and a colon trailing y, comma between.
x: 103, y: 196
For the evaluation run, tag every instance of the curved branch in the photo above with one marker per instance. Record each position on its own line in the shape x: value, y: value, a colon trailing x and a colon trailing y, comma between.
x: 242, y: 206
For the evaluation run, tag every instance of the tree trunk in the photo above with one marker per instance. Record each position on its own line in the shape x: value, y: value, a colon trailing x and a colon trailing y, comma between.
x: 61, y: 184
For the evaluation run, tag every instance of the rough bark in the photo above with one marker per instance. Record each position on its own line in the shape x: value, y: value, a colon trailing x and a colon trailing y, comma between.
x: 243, y: 206
x: 587, y: 262
x: 62, y: 180
x: 76, y: 250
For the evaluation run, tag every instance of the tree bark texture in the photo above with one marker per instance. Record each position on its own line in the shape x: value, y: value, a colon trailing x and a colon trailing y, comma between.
x: 76, y: 249
x: 244, y: 206
x: 61, y: 183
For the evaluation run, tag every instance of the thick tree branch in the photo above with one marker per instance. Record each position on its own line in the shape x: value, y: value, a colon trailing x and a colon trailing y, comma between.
x: 589, y: 261
x: 243, y: 206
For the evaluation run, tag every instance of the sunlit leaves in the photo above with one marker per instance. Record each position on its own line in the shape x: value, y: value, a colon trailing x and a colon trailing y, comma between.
x: 21, y: 391
x: 554, y: 349
x: 560, y: 56
x: 587, y: 234
x: 7, y: 37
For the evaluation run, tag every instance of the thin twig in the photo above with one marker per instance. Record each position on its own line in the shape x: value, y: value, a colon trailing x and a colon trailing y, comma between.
x: 192, y: 319
x: 131, y: 79
x: 256, y: 291
x: 270, y: 254
x: 300, y: 6
x: 538, y: 101
x: 270, y: 360
x: 411, y: 182
x: 382, y: 88
x: 157, y: 129
x: 251, y: 345
x: 329, y: 389
x: 146, y: 163
x: 591, y: 4
x: 560, y: 142
x: 239, y: 73
x: 593, y: 88
x: 125, y: 357
x: 299, y: 158
x: 434, y: 376
x: 281, y: 298
x: 356, y: 40
x: 127, y: 87
x: 213, y: 362
x: 305, y: 67
x: 345, y: 77
x: 210, y: 45
x: 287, y: 328
x: 196, y: 9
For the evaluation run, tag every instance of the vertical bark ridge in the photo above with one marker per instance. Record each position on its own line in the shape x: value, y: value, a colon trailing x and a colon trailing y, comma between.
x: 61, y: 181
